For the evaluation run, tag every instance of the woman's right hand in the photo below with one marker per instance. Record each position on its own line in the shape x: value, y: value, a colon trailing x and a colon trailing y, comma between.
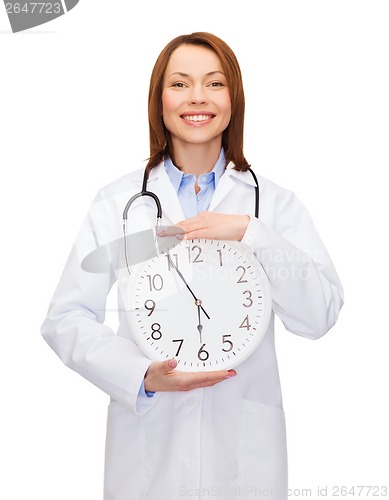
x: 161, y: 377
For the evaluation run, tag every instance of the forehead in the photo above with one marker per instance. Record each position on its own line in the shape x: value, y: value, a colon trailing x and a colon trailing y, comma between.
x: 193, y: 59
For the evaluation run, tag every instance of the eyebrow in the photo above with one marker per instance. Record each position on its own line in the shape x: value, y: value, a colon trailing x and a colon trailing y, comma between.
x: 185, y: 75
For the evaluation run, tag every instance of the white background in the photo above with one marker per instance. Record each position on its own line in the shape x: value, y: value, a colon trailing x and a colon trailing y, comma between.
x: 73, y: 117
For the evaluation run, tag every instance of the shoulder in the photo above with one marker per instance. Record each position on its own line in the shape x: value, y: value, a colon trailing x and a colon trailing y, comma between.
x: 125, y: 184
x: 270, y: 188
x: 272, y: 193
x: 278, y: 203
x: 106, y: 211
x: 128, y: 184
x: 266, y: 186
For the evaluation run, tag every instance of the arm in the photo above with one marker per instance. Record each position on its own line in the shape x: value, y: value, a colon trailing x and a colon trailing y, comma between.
x: 74, y: 328
x: 307, y: 293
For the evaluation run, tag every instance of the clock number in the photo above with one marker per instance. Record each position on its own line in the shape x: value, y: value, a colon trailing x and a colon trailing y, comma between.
x: 181, y: 341
x: 196, y: 259
x: 156, y: 331
x: 148, y: 307
x: 243, y: 269
x: 220, y: 258
x: 203, y: 355
x: 245, y: 323
x: 228, y: 342
x: 155, y: 282
x: 170, y: 262
x: 248, y: 299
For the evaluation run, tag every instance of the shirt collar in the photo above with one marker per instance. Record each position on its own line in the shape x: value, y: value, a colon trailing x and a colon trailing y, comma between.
x: 175, y: 175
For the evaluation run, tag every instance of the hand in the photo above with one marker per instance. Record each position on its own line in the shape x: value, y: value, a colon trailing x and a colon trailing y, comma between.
x: 162, y: 377
x: 215, y: 226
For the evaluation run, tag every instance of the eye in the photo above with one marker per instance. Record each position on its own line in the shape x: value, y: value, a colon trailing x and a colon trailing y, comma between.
x: 179, y: 85
x: 216, y: 84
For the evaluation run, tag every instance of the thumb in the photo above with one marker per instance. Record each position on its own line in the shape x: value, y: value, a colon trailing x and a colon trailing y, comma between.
x: 169, y: 365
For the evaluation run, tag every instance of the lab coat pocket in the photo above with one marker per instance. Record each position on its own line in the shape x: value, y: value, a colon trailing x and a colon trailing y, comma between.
x: 262, y: 450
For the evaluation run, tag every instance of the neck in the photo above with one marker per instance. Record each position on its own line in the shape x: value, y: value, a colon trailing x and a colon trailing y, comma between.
x: 196, y: 158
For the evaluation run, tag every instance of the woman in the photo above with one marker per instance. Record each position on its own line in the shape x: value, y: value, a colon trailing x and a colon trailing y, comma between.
x: 172, y: 434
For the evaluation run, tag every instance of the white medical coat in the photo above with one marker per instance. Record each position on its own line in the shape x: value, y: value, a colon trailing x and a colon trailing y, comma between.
x: 226, y: 441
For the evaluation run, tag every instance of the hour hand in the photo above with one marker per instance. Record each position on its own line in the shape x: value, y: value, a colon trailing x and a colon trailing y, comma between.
x: 199, y: 326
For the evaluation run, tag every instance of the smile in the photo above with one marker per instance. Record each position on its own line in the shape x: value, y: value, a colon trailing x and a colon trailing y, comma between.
x: 197, y: 118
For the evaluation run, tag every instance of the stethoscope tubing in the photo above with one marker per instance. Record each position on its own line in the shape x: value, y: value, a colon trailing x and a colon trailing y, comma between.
x: 152, y: 195
x: 144, y: 192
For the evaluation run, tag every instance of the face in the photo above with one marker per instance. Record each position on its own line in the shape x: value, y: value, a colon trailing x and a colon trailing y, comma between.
x: 195, y: 98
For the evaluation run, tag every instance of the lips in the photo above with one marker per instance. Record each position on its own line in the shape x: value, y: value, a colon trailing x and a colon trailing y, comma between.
x: 197, y: 117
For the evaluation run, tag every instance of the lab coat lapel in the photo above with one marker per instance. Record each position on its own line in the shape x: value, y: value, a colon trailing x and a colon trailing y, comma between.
x: 160, y: 184
x: 230, y: 179
x: 223, y: 188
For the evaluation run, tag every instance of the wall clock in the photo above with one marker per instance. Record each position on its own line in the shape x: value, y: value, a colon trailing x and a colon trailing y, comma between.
x: 206, y: 303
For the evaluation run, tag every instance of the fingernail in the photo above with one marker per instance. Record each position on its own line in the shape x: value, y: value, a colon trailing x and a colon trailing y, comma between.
x: 232, y: 373
x: 172, y: 363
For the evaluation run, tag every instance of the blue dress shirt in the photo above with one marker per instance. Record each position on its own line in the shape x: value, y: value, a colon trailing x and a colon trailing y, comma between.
x: 191, y: 203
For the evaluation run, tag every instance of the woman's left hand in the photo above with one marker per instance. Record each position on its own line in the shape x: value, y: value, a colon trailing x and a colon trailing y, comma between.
x: 215, y: 226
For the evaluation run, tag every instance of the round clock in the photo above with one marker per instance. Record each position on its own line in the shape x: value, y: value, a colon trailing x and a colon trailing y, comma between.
x: 206, y: 303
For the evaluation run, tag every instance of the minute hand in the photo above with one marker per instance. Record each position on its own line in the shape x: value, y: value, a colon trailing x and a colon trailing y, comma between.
x: 187, y: 286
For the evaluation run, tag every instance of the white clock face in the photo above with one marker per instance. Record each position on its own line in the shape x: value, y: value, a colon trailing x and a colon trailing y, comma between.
x: 206, y: 303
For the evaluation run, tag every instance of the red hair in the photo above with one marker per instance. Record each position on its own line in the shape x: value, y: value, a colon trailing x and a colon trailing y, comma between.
x: 232, y: 140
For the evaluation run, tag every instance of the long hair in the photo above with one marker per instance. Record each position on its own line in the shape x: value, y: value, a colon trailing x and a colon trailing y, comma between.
x: 232, y: 140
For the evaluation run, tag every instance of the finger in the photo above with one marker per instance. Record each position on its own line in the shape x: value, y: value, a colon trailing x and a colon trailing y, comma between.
x: 217, y: 375
x: 170, y: 231
x: 190, y: 228
x: 196, y: 235
x: 168, y: 365
x: 197, y: 230
x: 196, y: 222
x: 206, y: 379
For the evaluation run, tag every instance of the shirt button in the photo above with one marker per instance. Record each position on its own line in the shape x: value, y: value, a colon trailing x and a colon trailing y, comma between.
x: 204, y: 179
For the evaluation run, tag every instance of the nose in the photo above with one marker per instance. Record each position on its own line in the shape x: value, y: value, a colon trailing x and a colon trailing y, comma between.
x: 198, y: 96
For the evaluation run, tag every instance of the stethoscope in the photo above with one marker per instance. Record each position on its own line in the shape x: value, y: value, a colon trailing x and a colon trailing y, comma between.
x: 152, y: 195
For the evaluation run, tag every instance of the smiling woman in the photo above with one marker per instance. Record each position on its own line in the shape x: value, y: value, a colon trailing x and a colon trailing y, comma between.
x: 169, y: 430
x: 204, y: 69
x: 196, y: 106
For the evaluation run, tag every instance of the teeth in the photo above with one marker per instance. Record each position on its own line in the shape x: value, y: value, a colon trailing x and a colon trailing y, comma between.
x: 197, y: 118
